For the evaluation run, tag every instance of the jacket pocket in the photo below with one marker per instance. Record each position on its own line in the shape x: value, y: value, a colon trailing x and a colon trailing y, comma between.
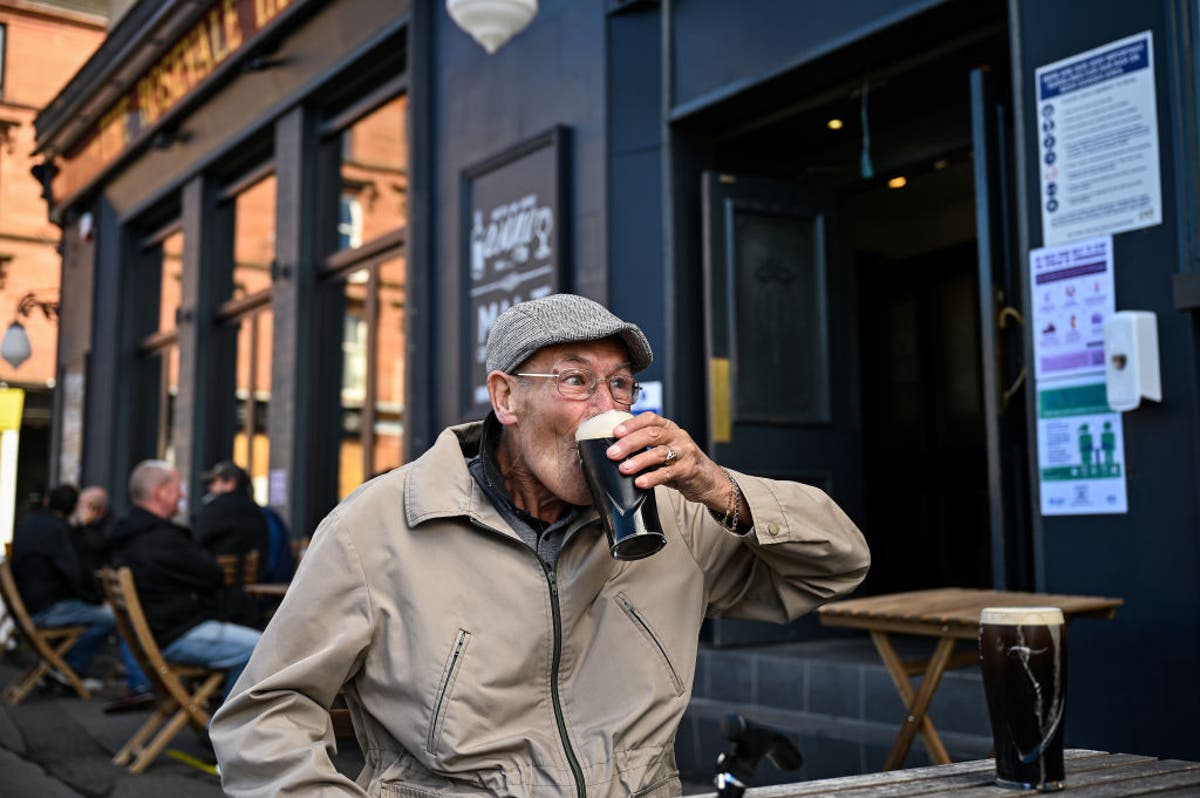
x: 445, y: 688
x: 396, y: 789
x: 642, y: 624
x: 663, y: 788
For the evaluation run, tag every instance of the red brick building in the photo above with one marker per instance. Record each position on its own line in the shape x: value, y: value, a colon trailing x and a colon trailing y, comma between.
x: 42, y: 44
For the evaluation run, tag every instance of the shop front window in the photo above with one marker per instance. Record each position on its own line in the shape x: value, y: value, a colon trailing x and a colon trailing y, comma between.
x: 246, y: 316
x: 251, y: 447
x: 374, y: 175
x: 162, y: 256
x: 372, y: 389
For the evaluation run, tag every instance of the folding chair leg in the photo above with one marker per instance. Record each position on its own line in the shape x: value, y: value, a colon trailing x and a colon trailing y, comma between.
x: 142, y: 734
x: 151, y: 751
x: 66, y: 670
x: 16, y: 692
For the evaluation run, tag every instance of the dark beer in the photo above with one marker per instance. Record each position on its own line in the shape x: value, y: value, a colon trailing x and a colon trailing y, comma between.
x: 629, y: 513
x: 1023, y: 654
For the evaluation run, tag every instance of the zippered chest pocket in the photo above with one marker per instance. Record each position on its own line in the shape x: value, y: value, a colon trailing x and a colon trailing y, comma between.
x: 643, y: 625
x: 445, y: 688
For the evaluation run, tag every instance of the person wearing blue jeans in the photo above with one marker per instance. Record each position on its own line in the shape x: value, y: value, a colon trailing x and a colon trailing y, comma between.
x: 101, y: 623
x: 177, y: 579
x: 58, y: 592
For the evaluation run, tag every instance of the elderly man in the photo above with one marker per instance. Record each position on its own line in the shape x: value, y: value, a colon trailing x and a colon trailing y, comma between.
x: 487, y: 641
x: 177, y: 579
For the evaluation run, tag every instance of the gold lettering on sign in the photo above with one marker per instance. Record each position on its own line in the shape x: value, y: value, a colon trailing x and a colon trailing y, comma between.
x: 267, y: 10
x: 233, y: 31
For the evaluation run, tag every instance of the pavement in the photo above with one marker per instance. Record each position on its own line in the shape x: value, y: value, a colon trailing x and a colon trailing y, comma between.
x: 55, y: 745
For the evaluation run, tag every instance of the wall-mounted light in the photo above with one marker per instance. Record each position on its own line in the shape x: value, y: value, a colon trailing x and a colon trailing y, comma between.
x: 15, y: 347
x: 835, y: 124
x: 898, y: 182
x: 492, y: 22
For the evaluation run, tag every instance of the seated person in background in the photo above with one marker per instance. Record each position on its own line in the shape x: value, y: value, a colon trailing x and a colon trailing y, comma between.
x: 58, y: 592
x: 92, y: 525
x: 228, y: 520
x: 177, y: 579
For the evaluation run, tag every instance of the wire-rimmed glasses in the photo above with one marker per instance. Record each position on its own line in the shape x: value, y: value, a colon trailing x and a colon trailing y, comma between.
x: 579, y: 384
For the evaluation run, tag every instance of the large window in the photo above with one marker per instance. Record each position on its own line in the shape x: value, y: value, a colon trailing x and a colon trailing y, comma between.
x: 367, y: 274
x: 372, y: 386
x: 374, y: 175
x: 161, y: 274
x: 245, y: 316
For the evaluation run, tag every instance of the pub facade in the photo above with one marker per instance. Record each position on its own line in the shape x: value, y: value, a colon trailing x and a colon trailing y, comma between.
x: 303, y: 217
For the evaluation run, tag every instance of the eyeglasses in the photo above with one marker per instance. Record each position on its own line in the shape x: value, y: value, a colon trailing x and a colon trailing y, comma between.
x: 580, y: 384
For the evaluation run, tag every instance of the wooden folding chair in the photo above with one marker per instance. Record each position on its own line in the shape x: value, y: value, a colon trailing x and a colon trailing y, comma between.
x: 49, y: 644
x: 239, y: 569
x: 178, y: 705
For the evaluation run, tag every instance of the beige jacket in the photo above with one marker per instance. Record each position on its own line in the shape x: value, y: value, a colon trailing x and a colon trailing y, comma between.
x: 472, y: 669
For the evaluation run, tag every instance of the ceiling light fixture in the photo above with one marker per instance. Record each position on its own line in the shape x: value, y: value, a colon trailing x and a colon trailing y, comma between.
x: 835, y: 124
x: 492, y: 22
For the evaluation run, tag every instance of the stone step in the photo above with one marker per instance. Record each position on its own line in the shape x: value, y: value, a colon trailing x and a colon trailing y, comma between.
x: 832, y: 746
x: 833, y: 697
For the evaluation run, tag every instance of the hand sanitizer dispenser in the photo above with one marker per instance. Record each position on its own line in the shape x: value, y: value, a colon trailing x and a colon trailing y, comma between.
x: 1131, y: 359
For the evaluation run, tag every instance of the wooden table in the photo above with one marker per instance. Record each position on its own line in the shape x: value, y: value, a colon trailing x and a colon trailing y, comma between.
x: 948, y: 615
x: 266, y: 589
x: 1090, y: 774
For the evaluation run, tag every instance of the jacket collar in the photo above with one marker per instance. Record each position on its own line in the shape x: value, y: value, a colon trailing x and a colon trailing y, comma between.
x: 441, y: 486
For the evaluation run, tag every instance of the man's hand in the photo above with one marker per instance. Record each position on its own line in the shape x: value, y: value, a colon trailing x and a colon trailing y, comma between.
x: 649, y: 440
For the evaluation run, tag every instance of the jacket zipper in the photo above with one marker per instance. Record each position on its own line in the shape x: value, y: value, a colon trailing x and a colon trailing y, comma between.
x: 451, y: 668
x: 576, y: 771
x: 555, y: 663
x: 641, y: 622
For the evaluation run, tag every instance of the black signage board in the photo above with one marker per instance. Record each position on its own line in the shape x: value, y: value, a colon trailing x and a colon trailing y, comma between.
x: 514, y: 234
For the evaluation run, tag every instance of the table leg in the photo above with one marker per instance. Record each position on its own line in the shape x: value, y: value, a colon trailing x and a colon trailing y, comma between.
x: 916, y: 702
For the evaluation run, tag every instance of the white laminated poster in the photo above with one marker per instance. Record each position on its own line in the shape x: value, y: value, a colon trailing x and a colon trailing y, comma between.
x: 1081, y: 443
x: 1098, y: 141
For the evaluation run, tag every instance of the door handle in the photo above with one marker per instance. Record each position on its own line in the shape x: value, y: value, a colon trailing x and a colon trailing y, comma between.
x: 1009, y: 315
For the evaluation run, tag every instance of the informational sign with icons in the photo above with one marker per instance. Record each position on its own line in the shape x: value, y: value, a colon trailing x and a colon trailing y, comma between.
x: 1081, y: 441
x: 1098, y: 142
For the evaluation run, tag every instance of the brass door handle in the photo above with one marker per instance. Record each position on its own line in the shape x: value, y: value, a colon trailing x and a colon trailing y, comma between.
x: 1010, y: 315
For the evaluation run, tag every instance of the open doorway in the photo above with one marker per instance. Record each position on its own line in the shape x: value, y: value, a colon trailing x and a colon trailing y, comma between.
x: 924, y: 443
x: 881, y: 165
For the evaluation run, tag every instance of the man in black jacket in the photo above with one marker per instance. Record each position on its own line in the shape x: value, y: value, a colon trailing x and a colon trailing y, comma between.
x: 177, y: 579
x: 228, y: 520
x: 58, y: 592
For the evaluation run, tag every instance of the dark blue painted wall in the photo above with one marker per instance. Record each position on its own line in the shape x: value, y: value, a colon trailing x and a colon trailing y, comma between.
x: 720, y: 46
x: 552, y: 73
x: 1133, y: 679
x: 635, y: 164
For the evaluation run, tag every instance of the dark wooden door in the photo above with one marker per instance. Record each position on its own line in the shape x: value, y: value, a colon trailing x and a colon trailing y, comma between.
x: 780, y: 340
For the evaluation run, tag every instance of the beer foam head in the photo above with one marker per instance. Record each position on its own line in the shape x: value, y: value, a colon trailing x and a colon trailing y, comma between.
x: 601, y: 426
x: 1021, y: 616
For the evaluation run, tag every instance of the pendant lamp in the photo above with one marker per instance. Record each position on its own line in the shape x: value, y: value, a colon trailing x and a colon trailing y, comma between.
x: 492, y: 22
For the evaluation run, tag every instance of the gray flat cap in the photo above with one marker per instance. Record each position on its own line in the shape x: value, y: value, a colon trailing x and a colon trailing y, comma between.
x: 526, y: 327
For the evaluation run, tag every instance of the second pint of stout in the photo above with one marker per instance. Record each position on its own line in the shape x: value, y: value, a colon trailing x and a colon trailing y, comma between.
x: 1023, y: 655
x: 629, y: 513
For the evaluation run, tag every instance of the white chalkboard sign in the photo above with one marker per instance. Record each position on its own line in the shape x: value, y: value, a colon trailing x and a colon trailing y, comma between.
x: 514, y: 233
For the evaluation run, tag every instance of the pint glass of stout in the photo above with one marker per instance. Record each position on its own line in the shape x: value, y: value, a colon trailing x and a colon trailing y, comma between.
x: 1023, y: 654
x: 629, y: 513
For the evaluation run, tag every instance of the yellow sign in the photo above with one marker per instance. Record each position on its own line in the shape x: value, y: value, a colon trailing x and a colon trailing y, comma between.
x: 718, y: 376
x: 12, y: 404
